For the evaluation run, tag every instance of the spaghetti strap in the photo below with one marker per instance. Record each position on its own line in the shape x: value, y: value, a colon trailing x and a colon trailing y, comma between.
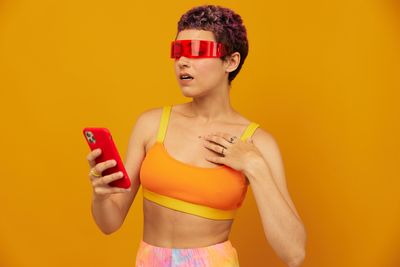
x: 166, y: 112
x: 249, y: 131
x: 163, y: 123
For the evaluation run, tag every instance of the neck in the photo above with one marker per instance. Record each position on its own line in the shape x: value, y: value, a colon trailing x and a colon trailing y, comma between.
x: 212, y: 108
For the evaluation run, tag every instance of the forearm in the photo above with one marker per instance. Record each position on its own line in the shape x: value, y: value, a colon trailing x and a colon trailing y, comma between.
x: 106, y: 214
x: 283, y: 229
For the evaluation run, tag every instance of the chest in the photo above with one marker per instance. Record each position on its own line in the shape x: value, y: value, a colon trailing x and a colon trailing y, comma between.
x: 185, y: 143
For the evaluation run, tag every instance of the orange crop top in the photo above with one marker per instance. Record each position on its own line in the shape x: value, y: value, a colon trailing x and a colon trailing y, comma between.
x: 214, y: 193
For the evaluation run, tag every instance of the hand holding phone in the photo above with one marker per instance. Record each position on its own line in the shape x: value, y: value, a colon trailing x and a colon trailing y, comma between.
x: 113, y: 175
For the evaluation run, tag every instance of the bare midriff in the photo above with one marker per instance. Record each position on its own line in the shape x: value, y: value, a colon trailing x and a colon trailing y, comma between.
x: 164, y: 227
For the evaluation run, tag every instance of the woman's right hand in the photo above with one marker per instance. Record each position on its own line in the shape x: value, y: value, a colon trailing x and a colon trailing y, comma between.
x: 101, y: 189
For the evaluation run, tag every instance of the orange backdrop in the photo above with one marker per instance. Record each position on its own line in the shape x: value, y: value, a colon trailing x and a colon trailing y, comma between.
x: 321, y: 76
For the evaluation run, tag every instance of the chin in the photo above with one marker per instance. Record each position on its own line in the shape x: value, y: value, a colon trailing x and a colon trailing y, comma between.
x: 192, y: 92
x: 188, y: 93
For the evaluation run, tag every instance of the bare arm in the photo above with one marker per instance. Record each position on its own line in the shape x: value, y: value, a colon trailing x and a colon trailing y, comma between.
x: 281, y: 222
x: 111, y: 205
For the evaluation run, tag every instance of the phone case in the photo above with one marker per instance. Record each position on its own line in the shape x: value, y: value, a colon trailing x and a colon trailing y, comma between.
x: 101, y: 138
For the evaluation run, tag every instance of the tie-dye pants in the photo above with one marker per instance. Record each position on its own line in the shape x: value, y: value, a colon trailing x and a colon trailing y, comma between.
x: 218, y: 255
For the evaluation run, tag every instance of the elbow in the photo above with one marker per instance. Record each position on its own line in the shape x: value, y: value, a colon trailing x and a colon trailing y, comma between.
x: 107, y: 231
x: 298, y: 260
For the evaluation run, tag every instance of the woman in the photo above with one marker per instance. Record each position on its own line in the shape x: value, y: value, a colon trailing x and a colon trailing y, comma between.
x: 195, y: 160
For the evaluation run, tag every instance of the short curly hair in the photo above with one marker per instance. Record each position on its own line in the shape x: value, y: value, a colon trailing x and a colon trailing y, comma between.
x: 226, y: 25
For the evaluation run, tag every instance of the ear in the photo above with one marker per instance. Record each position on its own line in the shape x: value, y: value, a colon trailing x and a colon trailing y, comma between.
x: 232, y: 61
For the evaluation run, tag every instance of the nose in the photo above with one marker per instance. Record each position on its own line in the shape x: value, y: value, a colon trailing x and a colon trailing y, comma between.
x: 183, y: 62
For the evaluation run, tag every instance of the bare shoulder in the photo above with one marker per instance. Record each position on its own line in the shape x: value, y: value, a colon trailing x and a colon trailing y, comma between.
x: 150, y: 114
x: 148, y: 122
x: 262, y: 137
x: 268, y: 146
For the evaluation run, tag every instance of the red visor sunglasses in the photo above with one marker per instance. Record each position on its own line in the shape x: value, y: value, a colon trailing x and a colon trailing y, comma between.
x: 196, y: 49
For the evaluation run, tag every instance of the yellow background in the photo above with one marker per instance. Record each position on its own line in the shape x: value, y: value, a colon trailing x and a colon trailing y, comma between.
x: 321, y: 76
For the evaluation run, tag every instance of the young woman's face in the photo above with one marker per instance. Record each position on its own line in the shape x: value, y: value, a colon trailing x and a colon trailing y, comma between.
x: 208, y: 73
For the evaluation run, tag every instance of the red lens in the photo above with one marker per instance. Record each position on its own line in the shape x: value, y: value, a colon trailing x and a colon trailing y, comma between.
x: 196, y: 49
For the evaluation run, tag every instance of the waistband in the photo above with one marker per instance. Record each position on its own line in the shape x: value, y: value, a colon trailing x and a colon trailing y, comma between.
x: 217, y: 255
x: 224, y: 244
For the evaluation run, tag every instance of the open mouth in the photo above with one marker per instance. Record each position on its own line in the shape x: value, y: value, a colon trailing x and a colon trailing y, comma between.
x: 186, y: 77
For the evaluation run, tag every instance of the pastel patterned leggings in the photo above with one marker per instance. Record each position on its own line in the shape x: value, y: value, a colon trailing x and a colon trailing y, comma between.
x: 218, y: 255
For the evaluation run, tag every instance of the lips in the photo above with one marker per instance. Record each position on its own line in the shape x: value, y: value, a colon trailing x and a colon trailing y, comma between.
x: 185, y: 76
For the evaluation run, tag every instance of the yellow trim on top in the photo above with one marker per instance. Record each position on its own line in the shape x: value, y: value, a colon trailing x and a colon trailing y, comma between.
x: 249, y: 131
x: 187, y: 207
x: 163, y: 123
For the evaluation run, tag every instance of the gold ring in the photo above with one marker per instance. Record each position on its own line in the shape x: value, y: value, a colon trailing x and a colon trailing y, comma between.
x: 94, y: 173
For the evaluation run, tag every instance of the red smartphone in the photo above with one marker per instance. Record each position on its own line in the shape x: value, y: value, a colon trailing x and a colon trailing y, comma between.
x: 101, y: 138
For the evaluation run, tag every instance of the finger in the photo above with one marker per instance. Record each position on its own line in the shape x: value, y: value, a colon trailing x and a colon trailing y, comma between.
x: 92, y: 156
x: 93, y: 174
x: 218, y: 140
x: 231, y: 139
x: 102, y: 166
x: 218, y: 160
x: 105, y: 180
x: 216, y: 148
